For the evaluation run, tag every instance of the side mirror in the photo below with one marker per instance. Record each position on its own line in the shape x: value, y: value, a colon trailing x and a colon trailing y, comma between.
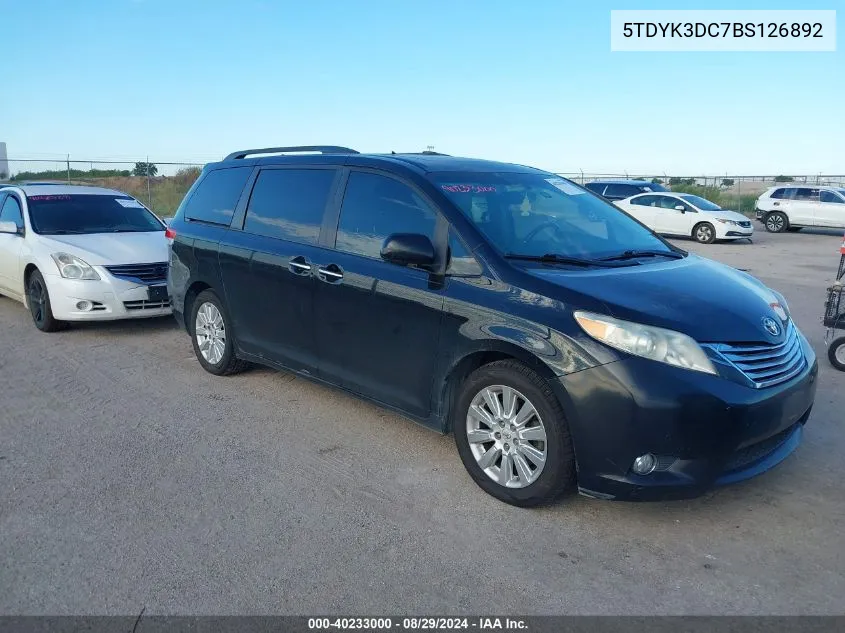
x: 10, y: 228
x: 681, y: 208
x: 407, y: 249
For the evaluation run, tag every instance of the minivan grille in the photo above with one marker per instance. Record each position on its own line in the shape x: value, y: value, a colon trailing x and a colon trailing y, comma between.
x: 144, y: 273
x: 766, y: 365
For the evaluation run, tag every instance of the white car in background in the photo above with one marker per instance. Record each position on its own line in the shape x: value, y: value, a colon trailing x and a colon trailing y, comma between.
x: 792, y: 207
x: 687, y: 215
x: 72, y: 253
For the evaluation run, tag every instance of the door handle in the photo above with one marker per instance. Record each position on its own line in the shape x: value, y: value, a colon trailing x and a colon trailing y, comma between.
x: 299, y: 266
x: 330, y: 274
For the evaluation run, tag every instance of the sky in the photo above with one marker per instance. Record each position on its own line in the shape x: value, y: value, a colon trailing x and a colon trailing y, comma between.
x: 531, y: 82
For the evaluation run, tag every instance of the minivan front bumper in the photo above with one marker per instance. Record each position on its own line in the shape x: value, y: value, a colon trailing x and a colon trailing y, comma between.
x: 703, y: 430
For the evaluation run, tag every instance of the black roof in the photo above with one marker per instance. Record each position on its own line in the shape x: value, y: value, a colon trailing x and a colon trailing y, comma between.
x: 424, y: 162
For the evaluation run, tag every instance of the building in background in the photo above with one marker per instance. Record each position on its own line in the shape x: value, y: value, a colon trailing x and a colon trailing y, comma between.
x: 4, y: 163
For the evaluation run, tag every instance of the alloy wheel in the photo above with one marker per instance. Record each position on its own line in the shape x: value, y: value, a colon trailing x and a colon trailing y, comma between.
x: 37, y: 301
x: 506, y: 436
x: 703, y: 233
x: 210, y: 332
x: 774, y: 223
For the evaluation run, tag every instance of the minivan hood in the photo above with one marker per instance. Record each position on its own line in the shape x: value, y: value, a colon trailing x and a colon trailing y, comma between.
x: 103, y: 249
x: 701, y: 298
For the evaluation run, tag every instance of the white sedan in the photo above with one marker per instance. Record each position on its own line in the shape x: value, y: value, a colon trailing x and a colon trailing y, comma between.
x: 683, y: 214
x: 72, y: 253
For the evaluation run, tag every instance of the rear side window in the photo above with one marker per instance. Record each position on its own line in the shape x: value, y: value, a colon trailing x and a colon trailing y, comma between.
x: 644, y: 201
x: 217, y: 195
x: 376, y: 206
x: 288, y: 204
x: 621, y: 191
x: 788, y: 193
x: 806, y: 194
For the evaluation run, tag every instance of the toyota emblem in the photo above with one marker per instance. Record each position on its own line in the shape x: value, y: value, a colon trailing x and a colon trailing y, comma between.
x: 771, y: 326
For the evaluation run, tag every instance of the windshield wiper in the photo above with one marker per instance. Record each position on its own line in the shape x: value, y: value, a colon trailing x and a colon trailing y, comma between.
x: 638, y: 254
x: 553, y: 258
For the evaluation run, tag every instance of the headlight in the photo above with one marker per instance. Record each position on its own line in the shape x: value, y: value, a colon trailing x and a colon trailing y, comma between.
x: 664, y: 346
x: 71, y: 267
x: 726, y: 221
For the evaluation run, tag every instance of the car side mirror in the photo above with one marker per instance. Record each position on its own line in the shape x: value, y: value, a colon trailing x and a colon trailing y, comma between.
x: 681, y: 208
x: 408, y: 249
x: 10, y: 228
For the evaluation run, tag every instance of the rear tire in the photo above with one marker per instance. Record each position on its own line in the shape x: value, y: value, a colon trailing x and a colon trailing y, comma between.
x: 836, y: 353
x: 777, y: 222
x: 704, y: 233
x: 212, y: 336
x: 518, y: 447
x: 40, y: 308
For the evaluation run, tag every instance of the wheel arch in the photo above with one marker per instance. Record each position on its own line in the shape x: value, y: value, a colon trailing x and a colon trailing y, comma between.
x: 191, y: 295
x: 463, y: 366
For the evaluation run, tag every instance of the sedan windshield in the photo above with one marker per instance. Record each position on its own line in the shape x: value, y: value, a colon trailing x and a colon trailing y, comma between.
x: 77, y: 214
x: 701, y: 203
x: 537, y: 215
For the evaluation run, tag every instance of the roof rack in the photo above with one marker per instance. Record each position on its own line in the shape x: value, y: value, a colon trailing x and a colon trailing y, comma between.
x: 425, y: 153
x: 322, y: 149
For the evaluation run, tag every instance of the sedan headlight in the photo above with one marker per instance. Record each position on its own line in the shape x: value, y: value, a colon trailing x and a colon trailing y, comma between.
x: 723, y: 221
x: 71, y: 267
x: 664, y: 346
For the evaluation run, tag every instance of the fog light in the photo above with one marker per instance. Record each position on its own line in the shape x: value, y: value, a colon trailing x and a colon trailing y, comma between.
x: 84, y: 306
x: 644, y: 464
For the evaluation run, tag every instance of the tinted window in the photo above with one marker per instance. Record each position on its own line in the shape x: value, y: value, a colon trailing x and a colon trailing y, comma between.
x: 217, y: 195
x: 806, y: 194
x: 779, y: 194
x: 621, y: 191
x: 375, y: 206
x: 461, y: 261
x: 595, y: 187
x: 11, y: 212
x: 69, y: 214
x: 289, y: 203
x: 645, y: 201
x: 653, y: 186
x: 701, y: 203
x: 829, y: 196
x: 534, y: 214
x: 668, y: 202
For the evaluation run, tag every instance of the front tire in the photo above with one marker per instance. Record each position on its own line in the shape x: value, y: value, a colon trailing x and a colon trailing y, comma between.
x: 777, y: 222
x: 512, y: 435
x: 211, y: 335
x: 836, y: 353
x: 40, y: 308
x: 704, y: 233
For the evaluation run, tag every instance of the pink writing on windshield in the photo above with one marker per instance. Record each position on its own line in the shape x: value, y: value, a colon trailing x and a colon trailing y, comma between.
x: 468, y: 188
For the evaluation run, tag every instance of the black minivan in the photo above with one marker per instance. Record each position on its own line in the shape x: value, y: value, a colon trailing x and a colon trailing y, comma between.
x: 562, y: 342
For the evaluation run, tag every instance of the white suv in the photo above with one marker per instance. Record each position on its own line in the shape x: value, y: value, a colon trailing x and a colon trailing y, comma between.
x: 792, y: 207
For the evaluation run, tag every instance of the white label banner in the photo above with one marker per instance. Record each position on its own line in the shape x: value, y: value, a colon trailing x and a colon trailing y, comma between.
x: 723, y: 30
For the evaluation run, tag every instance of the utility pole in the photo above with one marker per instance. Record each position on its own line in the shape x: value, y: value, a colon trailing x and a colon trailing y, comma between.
x: 68, y: 169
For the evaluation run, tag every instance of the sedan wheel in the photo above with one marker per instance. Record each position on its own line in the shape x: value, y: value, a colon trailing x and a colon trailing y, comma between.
x: 506, y: 436
x: 704, y: 233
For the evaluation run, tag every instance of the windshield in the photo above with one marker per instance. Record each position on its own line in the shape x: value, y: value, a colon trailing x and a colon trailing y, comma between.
x: 701, y: 203
x: 65, y: 214
x: 535, y: 214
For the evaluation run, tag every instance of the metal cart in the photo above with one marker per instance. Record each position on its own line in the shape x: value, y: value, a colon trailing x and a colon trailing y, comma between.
x: 834, y: 316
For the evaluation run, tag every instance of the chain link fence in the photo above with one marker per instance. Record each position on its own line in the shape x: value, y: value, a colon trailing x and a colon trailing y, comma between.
x: 162, y: 185
x: 159, y: 185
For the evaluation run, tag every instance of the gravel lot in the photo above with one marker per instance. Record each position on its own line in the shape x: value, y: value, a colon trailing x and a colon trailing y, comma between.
x: 130, y: 479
